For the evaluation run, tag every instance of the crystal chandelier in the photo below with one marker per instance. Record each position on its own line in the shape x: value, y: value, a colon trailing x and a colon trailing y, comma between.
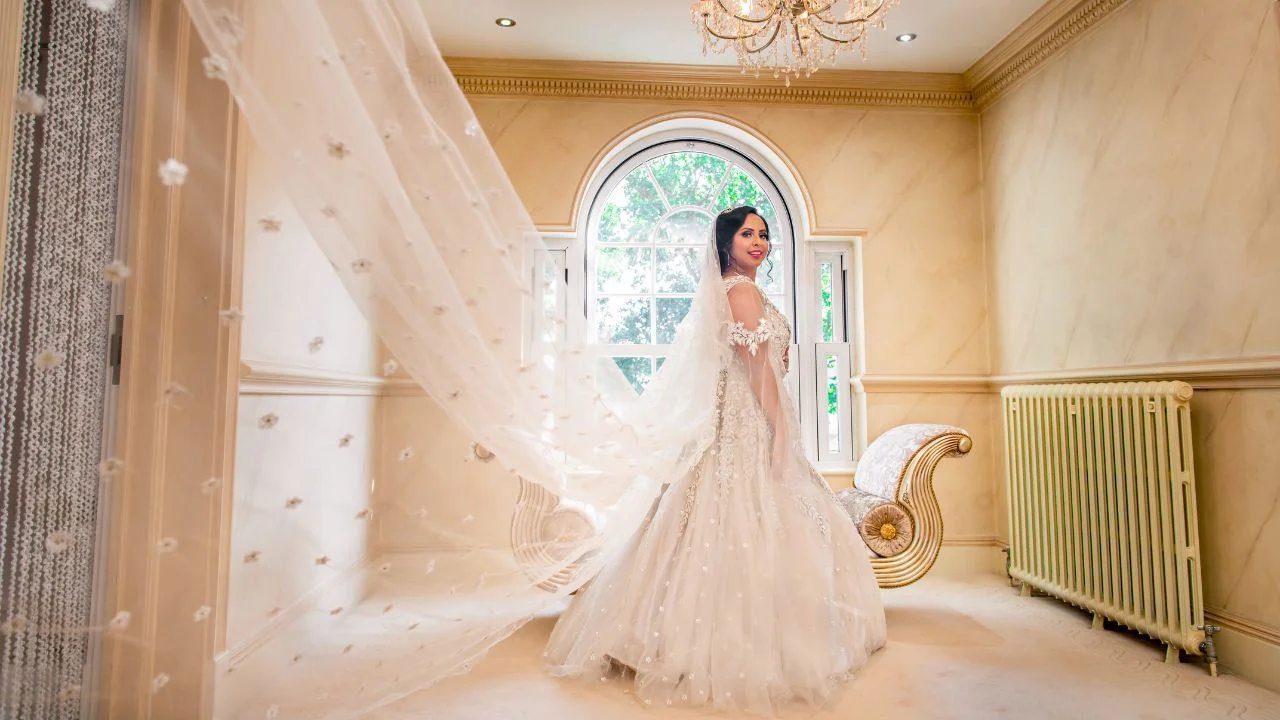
x: 790, y: 38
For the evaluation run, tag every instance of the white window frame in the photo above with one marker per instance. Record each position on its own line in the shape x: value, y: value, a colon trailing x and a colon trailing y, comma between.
x: 801, y: 287
x: 620, y: 170
x: 844, y: 252
x: 556, y: 248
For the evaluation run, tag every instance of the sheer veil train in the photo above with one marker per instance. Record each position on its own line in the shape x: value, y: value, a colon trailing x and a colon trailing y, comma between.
x: 383, y: 159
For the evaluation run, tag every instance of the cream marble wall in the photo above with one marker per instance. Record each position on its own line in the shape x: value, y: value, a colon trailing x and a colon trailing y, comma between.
x: 292, y: 296
x: 909, y: 179
x: 1131, y: 193
x: 1237, y: 463
x: 438, y: 485
x: 299, y: 458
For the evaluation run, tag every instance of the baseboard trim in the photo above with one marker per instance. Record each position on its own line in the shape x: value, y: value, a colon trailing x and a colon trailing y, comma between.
x: 969, y: 556
x: 990, y: 541
x: 1254, y: 629
x: 1247, y: 648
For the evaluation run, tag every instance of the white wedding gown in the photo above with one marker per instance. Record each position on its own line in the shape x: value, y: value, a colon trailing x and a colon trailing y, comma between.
x: 745, y: 591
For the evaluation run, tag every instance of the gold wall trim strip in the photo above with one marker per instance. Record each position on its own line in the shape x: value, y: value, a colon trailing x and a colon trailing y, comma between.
x: 262, y: 377
x: 1260, y: 373
x: 914, y: 384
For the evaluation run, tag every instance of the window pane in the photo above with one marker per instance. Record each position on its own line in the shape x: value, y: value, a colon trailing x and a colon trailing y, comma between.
x: 624, y: 270
x: 688, y: 178
x: 624, y: 321
x: 637, y: 370
x: 552, y: 287
x: 678, y: 269
x: 770, y: 217
x: 742, y: 190
x: 686, y: 227
x: 833, y: 405
x: 826, y: 315
x: 632, y: 210
x: 670, y: 312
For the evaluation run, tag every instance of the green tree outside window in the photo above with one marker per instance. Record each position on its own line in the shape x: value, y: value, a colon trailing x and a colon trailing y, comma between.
x: 650, y: 243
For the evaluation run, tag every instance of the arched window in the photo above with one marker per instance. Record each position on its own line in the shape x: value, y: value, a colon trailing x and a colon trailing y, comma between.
x: 631, y: 267
x: 647, y: 233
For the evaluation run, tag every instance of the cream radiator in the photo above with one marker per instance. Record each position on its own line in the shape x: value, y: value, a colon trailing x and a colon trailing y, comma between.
x: 1102, y: 505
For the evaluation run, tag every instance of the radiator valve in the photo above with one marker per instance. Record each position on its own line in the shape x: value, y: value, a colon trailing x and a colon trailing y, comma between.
x: 1208, y: 648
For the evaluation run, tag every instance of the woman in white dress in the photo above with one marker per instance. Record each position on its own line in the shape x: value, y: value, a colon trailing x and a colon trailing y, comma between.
x: 749, y: 587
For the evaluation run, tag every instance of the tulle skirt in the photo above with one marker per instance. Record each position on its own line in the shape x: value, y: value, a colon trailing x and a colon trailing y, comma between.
x: 744, y: 592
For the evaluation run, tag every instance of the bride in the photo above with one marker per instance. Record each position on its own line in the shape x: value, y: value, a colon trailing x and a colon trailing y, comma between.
x: 749, y: 587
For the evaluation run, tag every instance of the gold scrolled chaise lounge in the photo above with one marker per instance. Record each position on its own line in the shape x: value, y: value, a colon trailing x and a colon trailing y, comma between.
x: 892, y: 503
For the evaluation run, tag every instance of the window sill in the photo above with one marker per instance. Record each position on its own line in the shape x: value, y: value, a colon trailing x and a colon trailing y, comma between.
x: 839, y: 469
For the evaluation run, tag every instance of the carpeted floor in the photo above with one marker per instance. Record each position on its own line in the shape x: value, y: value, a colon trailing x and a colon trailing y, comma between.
x: 957, y: 649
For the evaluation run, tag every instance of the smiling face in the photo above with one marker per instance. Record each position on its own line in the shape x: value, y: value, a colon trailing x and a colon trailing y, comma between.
x: 750, y: 245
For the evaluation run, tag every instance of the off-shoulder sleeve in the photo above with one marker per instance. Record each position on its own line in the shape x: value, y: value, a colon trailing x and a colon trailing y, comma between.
x: 740, y: 336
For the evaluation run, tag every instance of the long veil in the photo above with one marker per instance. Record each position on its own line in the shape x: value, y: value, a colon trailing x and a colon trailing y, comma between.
x: 384, y: 161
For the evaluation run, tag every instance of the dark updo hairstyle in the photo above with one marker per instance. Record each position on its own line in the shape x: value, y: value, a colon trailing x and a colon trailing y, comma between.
x: 728, y: 223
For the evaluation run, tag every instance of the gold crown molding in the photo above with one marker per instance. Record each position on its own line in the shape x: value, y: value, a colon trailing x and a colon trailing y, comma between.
x: 1042, y: 36
x: 1043, y: 20
x: 1039, y: 38
x: 707, y: 84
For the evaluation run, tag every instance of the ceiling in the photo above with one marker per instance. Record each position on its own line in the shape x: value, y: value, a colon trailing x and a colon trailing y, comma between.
x: 952, y: 33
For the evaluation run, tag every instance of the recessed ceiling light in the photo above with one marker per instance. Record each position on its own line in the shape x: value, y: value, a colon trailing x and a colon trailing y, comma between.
x: 505, y: 22
x: 906, y: 37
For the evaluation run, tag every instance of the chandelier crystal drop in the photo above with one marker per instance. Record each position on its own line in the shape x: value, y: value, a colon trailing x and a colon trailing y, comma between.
x: 790, y: 38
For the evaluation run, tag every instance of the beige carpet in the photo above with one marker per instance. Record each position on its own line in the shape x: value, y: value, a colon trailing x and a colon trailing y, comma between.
x: 957, y: 649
